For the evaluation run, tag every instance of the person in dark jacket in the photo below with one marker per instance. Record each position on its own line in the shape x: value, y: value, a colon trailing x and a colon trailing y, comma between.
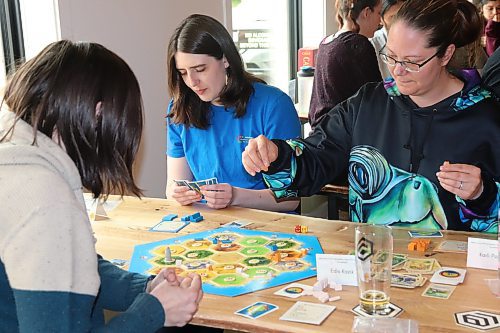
x: 491, y: 73
x: 347, y: 59
x: 421, y: 150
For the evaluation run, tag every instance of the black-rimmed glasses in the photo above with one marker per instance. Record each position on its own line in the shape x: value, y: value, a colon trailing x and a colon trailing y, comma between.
x: 407, y: 65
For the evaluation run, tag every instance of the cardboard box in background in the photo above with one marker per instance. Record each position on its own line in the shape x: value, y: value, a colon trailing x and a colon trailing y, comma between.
x: 306, y: 57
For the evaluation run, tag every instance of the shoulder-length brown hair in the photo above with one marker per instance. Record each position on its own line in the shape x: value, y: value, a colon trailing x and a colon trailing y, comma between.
x: 58, y: 91
x: 201, y: 34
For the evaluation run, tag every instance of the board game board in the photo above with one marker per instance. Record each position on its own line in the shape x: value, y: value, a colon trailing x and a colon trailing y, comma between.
x: 233, y: 261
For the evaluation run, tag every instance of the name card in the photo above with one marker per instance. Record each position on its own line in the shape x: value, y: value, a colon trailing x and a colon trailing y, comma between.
x: 337, y: 267
x: 482, y: 253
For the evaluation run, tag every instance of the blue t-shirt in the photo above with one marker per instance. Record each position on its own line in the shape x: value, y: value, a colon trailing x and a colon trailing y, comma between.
x: 216, y: 151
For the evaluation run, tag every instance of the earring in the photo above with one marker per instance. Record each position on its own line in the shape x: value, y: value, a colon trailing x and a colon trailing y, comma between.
x: 227, y: 78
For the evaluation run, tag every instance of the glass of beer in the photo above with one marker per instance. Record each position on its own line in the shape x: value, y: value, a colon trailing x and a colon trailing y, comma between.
x: 374, y: 267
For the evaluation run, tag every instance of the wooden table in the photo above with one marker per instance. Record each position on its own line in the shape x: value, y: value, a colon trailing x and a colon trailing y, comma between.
x: 129, y: 222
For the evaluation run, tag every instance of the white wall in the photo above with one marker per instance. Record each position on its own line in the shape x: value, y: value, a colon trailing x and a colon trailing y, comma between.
x: 138, y: 31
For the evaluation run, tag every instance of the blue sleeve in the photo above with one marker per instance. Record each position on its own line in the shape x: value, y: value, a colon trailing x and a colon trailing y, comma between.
x: 119, y: 288
x: 282, y: 120
x: 174, y: 138
x: 55, y: 311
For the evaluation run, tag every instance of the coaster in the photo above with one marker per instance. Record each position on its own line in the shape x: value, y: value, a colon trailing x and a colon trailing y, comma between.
x: 479, y: 320
x: 392, y: 311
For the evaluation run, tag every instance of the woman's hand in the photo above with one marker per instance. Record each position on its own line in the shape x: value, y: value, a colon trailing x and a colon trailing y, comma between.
x: 463, y: 180
x: 259, y: 154
x: 182, y: 194
x: 218, y: 195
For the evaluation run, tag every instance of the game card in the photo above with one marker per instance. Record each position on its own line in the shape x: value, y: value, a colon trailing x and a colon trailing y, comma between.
x: 237, y: 224
x: 423, y: 266
x: 309, y: 313
x: 425, y: 234
x: 169, y: 226
x: 438, y: 291
x: 293, y: 290
x: 256, y: 310
x: 451, y: 246
x: 449, y: 275
x: 398, y: 260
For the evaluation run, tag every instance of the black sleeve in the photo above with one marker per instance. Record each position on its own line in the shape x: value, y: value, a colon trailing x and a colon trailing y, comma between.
x: 325, y: 156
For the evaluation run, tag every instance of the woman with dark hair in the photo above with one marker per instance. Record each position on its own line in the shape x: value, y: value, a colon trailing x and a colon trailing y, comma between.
x: 216, y: 108
x: 421, y: 150
x: 71, y: 117
x: 491, y: 13
x: 345, y: 60
x: 387, y: 12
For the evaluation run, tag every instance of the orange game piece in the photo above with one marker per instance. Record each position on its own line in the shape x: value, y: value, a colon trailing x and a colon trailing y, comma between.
x: 420, y: 245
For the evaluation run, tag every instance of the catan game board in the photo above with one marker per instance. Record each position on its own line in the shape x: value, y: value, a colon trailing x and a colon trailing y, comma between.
x: 232, y: 261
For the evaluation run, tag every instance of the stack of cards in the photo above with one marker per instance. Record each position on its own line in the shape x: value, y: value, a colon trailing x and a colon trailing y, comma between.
x: 451, y: 246
x: 421, y: 266
x: 308, y: 313
x: 407, y: 280
x: 449, y: 275
x: 196, y: 185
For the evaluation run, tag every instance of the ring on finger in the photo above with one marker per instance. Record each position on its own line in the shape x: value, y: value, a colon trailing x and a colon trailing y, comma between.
x: 461, y: 185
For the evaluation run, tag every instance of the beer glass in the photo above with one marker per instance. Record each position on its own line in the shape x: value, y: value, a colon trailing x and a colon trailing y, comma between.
x: 374, y: 267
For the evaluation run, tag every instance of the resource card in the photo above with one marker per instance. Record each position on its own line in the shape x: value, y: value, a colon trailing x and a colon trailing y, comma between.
x: 438, y: 291
x: 425, y: 234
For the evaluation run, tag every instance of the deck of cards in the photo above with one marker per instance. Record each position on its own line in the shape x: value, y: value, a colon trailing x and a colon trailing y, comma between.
x: 407, y: 280
x: 196, y: 185
x: 451, y: 246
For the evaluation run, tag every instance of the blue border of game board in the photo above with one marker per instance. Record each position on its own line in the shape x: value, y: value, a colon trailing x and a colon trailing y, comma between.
x: 141, y: 255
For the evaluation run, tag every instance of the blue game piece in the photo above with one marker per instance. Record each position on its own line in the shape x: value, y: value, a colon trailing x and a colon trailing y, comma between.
x: 215, y: 241
x: 274, y: 248
x: 226, y: 241
x: 186, y: 218
x: 195, y: 215
x: 196, y: 219
x: 169, y: 217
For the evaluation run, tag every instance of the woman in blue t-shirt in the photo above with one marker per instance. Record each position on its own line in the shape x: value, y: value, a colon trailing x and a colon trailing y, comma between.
x: 216, y: 108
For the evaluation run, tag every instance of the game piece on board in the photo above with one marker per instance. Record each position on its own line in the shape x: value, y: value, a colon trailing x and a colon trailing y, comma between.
x: 168, y: 254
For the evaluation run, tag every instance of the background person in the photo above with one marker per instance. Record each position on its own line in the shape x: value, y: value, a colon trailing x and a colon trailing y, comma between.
x: 216, y: 108
x: 387, y: 12
x: 345, y: 60
x: 411, y: 147
x: 71, y: 117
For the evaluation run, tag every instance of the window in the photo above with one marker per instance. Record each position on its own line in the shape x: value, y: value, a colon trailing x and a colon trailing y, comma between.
x: 261, y: 33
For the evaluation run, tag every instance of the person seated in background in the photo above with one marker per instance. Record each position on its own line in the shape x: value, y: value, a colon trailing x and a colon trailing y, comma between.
x: 491, y: 73
x: 420, y: 151
x: 491, y: 13
x: 216, y: 108
x: 387, y: 12
x: 71, y: 117
x: 345, y: 60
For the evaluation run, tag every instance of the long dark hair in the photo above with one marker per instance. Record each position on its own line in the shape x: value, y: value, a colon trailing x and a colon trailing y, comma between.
x: 58, y: 92
x: 445, y: 22
x: 201, y: 34
x: 350, y: 9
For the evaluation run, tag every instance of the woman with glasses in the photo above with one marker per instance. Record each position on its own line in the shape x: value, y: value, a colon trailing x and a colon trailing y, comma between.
x: 216, y: 108
x: 421, y: 150
x: 345, y: 60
